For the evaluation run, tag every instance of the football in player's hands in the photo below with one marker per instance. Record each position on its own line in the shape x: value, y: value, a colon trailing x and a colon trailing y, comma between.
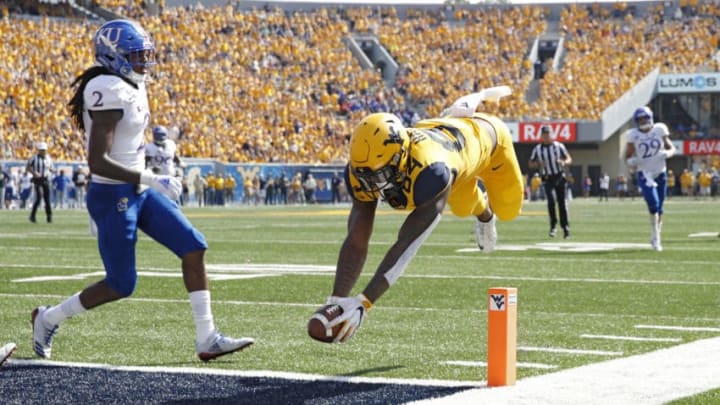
x: 318, y: 325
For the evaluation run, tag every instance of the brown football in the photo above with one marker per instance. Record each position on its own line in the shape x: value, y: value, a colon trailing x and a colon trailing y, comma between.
x: 317, y: 325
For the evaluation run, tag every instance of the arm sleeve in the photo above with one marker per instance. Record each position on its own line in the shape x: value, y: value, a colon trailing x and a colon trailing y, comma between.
x: 431, y: 181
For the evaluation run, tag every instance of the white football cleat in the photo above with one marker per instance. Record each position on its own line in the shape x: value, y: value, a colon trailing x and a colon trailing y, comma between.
x: 6, y: 351
x: 486, y: 235
x: 42, y: 333
x: 655, y: 243
x: 218, y: 345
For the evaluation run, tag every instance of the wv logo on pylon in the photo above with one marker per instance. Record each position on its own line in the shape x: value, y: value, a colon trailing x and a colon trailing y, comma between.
x: 497, y: 302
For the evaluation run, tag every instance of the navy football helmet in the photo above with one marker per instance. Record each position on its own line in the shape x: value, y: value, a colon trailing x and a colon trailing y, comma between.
x: 121, y: 45
x: 645, y: 114
x: 160, y: 134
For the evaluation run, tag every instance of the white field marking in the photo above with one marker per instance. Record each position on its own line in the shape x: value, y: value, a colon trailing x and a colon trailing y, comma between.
x: 570, y: 259
x: 568, y: 351
x: 254, y: 374
x: 267, y: 269
x: 631, y: 338
x: 567, y: 247
x: 570, y: 280
x: 82, y: 276
x: 31, y: 248
x: 688, y: 265
x: 464, y: 363
x: 547, y: 246
x: 679, y: 328
x: 384, y: 308
x: 649, y: 379
x: 703, y: 234
x: 280, y: 268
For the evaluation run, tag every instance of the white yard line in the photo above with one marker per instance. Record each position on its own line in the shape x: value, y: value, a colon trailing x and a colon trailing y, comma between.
x: 648, y: 379
x: 276, y: 269
x: 679, y: 328
x: 520, y: 364
x: 631, y: 338
x: 568, y: 351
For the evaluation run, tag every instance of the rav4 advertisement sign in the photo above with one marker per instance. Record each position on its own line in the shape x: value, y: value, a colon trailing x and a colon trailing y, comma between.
x: 702, y: 147
x: 565, y: 132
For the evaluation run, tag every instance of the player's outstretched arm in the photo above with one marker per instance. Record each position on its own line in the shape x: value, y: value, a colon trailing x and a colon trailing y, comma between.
x: 355, y: 247
x: 342, y: 316
x: 413, y: 232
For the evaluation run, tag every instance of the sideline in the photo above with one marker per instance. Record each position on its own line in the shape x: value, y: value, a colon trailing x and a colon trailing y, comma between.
x: 651, y: 378
x: 248, y: 373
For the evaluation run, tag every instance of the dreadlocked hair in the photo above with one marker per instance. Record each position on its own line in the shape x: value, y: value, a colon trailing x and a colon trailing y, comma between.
x: 77, y: 102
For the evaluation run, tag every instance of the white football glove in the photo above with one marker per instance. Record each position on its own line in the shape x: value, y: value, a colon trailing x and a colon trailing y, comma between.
x: 666, y: 153
x: 465, y: 106
x: 168, y: 185
x: 354, y: 311
x: 632, y: 161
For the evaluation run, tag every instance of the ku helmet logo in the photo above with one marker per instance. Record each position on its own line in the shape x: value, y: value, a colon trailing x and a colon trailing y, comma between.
x: 122, y: 205
x: 497, y: 302
x: 110, y: 36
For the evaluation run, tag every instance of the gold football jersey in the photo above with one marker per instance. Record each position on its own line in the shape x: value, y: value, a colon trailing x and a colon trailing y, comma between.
x: 443, y: 152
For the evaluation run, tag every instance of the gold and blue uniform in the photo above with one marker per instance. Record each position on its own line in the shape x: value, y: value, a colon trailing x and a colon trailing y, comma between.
x: 455, y: 153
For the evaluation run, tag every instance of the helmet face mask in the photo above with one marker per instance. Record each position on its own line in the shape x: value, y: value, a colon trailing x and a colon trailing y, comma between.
x: 124, y: 48
x: 377, y: 149
x: 160, y: 135
x: 381, y: 179
x: 643, y: 118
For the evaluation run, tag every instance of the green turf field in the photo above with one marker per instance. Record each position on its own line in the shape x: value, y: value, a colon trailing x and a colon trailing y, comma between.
x: 570, y: 295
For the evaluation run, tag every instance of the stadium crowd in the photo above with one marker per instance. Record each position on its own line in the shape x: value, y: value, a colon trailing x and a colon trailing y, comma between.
x: 278, y: 86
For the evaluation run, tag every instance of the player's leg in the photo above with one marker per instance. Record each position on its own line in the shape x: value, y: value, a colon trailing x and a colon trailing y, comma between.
x: 662, y: 191
x: 552, y: 213
x: 560, y: 187
x: 36, y: 203
x: 649, y: 188
x: 162, y: 220
x: 503, y: 183
x: 504, y: 186
x: 46, y: 200
x: 113, y: 209
x: 466, y: 199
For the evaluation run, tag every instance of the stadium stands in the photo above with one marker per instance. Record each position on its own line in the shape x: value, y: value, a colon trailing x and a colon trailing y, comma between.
x: 271, y: 85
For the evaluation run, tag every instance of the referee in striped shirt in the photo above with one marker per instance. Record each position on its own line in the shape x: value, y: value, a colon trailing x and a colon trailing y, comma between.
x: 41, y: 167
x: 551, y: 157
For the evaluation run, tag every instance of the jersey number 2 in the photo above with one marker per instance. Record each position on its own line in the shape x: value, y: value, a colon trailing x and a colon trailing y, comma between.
x: 98, y: 101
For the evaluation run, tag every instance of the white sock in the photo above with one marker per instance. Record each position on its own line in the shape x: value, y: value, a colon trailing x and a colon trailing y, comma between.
x: 654, y: 223
x: 70, y: 307
x: 204, y: 325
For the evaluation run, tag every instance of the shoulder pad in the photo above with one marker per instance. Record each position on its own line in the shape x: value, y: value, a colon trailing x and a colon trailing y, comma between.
x: 108, y: 92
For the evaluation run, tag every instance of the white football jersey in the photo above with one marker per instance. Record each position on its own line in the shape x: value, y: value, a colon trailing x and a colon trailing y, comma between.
x: 648, y: 146
x: 161, y: 157
x: 109, y: 92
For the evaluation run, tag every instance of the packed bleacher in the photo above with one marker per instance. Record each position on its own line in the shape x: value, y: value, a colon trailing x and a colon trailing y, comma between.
x: 270, y: 85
